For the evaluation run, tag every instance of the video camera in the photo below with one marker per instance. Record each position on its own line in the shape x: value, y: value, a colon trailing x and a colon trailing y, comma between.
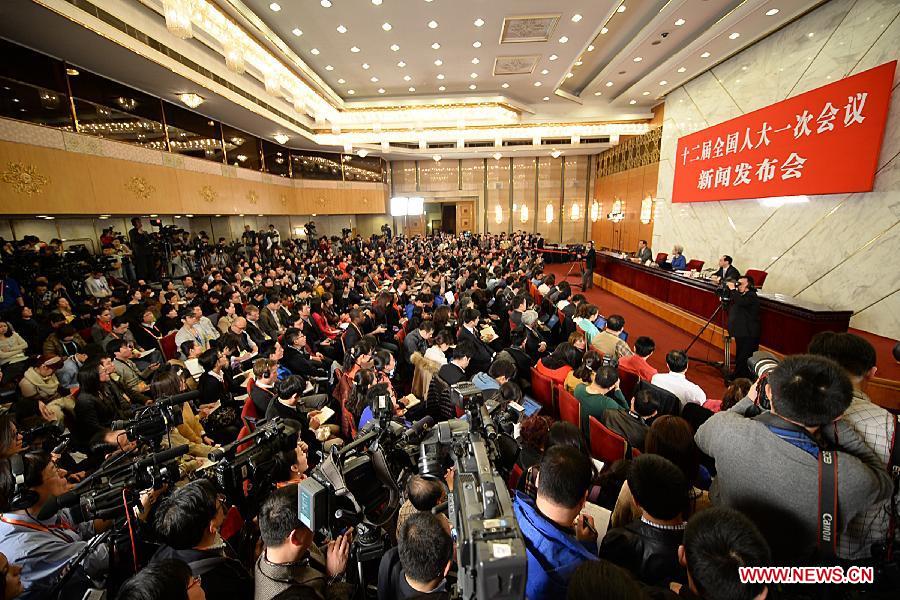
x: 152, y: 423
x: 761, y: 364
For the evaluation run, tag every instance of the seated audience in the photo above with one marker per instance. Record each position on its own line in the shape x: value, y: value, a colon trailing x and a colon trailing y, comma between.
x: 418, y: 566
x: 600, y: 395
x: 676, y: 380
x: 637, y: 362
x: 557, y: 366
x: 501, y: 371
x: 632, y: 424
x: 455, y: 370
x: 584, y: 373
x: 437, y: 351
x: 169, y: 579
x: 609, y: 341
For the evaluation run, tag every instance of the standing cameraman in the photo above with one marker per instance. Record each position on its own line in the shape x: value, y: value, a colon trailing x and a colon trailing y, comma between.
x: 590, y: 261
x: 141, y: 251
x: 743, y: 322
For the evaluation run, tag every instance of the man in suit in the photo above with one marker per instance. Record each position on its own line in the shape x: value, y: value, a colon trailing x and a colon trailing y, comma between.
x: 743, y: 322
x: 644, y: 253
x: 590, y: 261
x: 270, y: 317
x: 296, y: 357
x: 256, y: 333
x: 726, y: 270
x: 455, y: 370
x: 354, y: 331
x: 483, y: 356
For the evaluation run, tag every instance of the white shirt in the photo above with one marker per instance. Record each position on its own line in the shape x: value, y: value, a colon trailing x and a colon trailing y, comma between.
x: 679, y: 385
x: 436, y: 354
x: 98, y: 288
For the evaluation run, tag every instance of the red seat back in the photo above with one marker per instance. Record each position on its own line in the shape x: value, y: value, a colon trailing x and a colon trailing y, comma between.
x: 249, y: 410
x: 542, y: 390
x: 661, y: 257
x: 169, y: 348
x: 694, y: 265
x: 244, y: 432
x: 627, y: 382
x: 606, y: 445
x: 515, y: 475
x: 569, y: 407
x: 759, y: 277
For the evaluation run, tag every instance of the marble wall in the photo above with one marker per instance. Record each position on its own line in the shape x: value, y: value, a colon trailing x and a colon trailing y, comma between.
x: 837, y: 250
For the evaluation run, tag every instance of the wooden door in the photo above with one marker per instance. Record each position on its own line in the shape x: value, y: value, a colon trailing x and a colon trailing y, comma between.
x: 415, y: 225
x: 465, y: 216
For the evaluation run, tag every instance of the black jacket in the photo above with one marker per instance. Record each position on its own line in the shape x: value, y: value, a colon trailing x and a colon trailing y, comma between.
x: 451, y: 373
x: 627, y: 424
x: 213, y: 390
x: 257, y: 334
x: 262, y: 398
x: 351, y: 337
x: 730, y: 273
x: 95, y: 413
x: 221, y: 576
x: 648, y: 552
x: 298, y: 363
x: 590, y: 259
x: 743, y: 314
x: 483, y: 355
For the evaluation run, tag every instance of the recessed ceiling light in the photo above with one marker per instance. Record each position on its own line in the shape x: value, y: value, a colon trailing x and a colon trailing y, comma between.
x: 473, y: 75
x: 810, y: 34
x: 395, y: 47
x: 598, y: 93
x: 504, y: 85
x: 354, y: 49
x: 412, y: 89
x: 537, y: 84
x: 771, y: 12
x: 473, y: 86
x: 679, y: 22
x: 621, y: 8
x: 663, y: 82
x: 553, y: 57
x: 380, y: 90
x: 365, y: 66
x: 645, y: 94
x: 576, y: 17
x: 545, y: 72
x: 191, y: 100
x: 373, y: 79
x: 497, y: 156
x: 432, y: 24
x: 478, y: 22
x: 351, y: 92
x: 440, y: 75
x: 735, y: 35
x: 438, y: 62
x: 342, y: 81
x: 555, y: 154
x: 637, y: 59
x: 570, y: 74
x: 281, y: 138
x: 376, y: 2
x: 632, y: 101
x: 704, y: 55
x: 407, y: 78
x: 401, y: 64
x: 476, y: 44
x: 72, y: 72
x: 591, y: 48
x: 296, y: 31
x: 546, y: 98
x: 341, y: 29
x: 578, y: 63
x: 329, y: 68
x: 435, y: 46
x: 609, y: 84
x: 682, y: 69
x: 604, y: 31
x: 314, y: 51
x: 386, y: 26
x: 563, y: 40
x: 325, y: 3
x: 475, y: 61
x: 274, y: 7
x: 436, y: 158
x: 441, y: 89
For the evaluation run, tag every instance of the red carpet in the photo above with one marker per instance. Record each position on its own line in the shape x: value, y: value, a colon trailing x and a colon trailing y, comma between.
x: 667, y: 337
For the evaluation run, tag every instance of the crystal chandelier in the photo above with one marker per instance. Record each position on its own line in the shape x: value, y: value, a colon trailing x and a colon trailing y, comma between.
x: 234, y: 54
x: 616, y: 215
x: 273, y: 82
x: 646, y: 210
x: 178, y: 17
x: 596, y: 209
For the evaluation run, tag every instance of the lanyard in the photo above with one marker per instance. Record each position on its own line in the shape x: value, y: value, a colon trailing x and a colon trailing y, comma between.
x: 54, y: 530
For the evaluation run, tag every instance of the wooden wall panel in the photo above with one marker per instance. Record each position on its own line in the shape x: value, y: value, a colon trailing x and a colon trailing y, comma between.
x: 630, y: 186
x: 69, y: 183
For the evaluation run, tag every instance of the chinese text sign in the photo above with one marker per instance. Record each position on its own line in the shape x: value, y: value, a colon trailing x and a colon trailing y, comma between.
x: 825, y: 141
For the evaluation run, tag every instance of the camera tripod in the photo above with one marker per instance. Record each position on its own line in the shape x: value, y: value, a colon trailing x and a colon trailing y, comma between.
x: 577, y: 262
x: 723, y: 366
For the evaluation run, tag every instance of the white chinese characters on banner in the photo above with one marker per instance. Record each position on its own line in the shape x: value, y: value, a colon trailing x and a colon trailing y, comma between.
x: 740, y: 174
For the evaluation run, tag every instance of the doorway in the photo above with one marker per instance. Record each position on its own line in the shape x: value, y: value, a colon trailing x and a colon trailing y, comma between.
x: 448, y: 218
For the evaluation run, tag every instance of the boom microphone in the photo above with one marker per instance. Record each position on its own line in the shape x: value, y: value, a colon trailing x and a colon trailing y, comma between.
x: 178, y: 399
x: 53, y: 505
x: 418, y: 428
x: 162, y: 457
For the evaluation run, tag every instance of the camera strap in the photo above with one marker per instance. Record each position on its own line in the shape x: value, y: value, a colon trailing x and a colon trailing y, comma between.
x: 828, y: 504
x: 894, y: 472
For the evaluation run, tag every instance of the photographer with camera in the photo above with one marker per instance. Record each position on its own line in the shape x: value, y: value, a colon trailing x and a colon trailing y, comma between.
x: 558, y: 537
x: 142, y: 253
x: 188, y: 523
x: 743, y: 321
x: 291, y: 566
x: 782, y: 467
x: 418, y: 566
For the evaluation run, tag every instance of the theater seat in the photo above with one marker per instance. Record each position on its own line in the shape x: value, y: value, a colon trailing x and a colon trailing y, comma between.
x: 515, y: 474
x: 661, y: 257
x: 759, y: 277
x: 169, y: 348
x: 628, y: 380
x: 542, y: 391
x: 569, y: 407
x: 606, y: 444
x: 694, y: 265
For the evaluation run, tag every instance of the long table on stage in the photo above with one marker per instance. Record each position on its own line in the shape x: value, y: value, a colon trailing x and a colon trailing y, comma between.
x: 787, y: 323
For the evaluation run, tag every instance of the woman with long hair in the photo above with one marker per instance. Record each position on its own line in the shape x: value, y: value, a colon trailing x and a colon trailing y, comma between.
x: 557, y: 366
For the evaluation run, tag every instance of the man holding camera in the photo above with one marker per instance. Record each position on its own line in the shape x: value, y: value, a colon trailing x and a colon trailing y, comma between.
x: 743, y: 322
x: 769, y: 465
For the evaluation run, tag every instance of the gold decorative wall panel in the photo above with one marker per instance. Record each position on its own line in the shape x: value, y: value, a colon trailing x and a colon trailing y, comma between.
x: 630, y: 153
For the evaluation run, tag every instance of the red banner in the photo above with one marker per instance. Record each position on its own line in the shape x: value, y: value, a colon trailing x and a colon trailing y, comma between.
x: 825, y: 141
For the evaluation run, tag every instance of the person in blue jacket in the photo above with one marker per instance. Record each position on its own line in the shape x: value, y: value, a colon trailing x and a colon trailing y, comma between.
x: 557, y: 537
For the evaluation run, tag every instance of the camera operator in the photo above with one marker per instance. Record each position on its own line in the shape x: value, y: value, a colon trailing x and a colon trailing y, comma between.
x: 163, y: 580
x: 99, y: 403
x: 188, y: 522
x: 557, y: 536
x: 141, y: 251
x: 418, y: 566
x: 43, y: 546
x: 769, y: 465
x: 743, y: 321
x: 291, y: 566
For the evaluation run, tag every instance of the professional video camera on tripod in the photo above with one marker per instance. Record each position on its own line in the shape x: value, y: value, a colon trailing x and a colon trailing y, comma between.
x: 360, y: 485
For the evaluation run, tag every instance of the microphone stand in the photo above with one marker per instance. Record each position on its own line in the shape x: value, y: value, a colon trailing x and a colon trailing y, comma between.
x: 723, y: 366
